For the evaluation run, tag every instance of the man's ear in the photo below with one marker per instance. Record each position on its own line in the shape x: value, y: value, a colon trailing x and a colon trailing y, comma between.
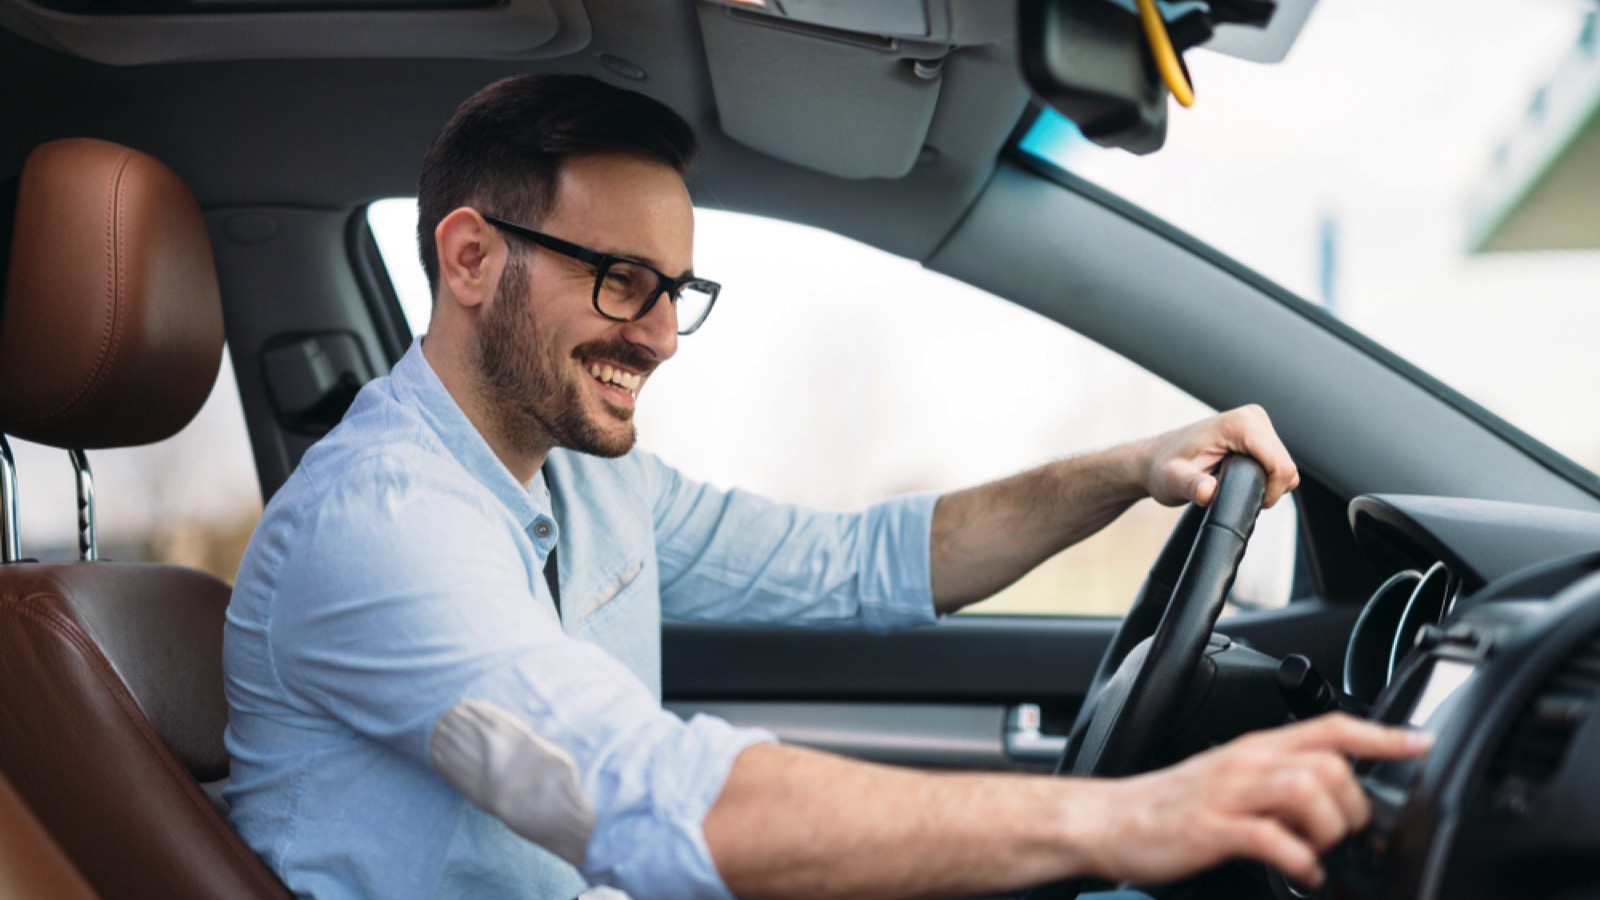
x: 471, y: 256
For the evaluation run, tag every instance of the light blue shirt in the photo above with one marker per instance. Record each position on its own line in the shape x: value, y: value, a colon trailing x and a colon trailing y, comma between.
x: 399, y: 572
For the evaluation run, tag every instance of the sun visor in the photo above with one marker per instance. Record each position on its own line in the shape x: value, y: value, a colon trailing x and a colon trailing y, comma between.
x: 845, y: 103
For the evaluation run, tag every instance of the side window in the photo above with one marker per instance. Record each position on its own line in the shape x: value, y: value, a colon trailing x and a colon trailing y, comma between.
x: 834, y: 374
x: 191, y: 500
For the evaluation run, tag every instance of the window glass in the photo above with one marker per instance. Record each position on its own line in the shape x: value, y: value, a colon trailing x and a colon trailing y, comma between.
x: 1378, y: 171
x: 191, y: 500
x: 394, y: 225
x: 833, y: 374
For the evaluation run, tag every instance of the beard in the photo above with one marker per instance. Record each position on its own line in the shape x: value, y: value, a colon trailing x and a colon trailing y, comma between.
x: 534, y: 398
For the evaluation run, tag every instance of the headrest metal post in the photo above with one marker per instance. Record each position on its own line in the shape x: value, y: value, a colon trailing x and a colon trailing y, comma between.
x: 88, y: 546
x: 10, y: 543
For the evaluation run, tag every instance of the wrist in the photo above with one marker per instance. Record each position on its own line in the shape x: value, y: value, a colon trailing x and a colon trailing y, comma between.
x: 1131, y: 466
x: 1079, y: 827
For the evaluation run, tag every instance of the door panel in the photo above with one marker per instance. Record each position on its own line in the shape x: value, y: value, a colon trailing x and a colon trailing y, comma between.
x: 937, y: 735
x: 958, y: 659
x: 943, y: 696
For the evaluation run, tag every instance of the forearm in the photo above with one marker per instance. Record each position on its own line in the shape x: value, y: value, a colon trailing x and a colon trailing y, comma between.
x: 984, y: 538
x: 796, y: 823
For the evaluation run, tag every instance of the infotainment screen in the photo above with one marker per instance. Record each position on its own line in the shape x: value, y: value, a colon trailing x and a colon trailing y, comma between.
x: 1447, y: 677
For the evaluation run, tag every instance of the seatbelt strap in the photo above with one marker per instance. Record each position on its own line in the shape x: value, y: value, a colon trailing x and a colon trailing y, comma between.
x: 552, y: 572
x: 552, y: 578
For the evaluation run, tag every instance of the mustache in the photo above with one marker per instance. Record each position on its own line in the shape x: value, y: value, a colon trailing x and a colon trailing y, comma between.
x: 618, y: 352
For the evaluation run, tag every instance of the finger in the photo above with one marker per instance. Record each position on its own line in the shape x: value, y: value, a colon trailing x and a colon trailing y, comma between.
x: 1261, y: 441
x: 1266, y: 841
x: 1355, y: 737
x: 1304, y: 801
x: 1346, y: 791
x: 1203, y: 489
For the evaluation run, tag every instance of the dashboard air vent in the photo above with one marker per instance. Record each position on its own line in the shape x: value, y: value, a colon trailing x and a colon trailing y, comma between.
x: 1532, y: 752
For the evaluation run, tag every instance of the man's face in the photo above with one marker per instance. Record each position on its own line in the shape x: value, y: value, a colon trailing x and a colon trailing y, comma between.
x: 556, y: 372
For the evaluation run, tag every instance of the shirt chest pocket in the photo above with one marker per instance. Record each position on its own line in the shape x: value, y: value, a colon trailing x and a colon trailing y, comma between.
x: 622, y: 616
x: 603, y: 602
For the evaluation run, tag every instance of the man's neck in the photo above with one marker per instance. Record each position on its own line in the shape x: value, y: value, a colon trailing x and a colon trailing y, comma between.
x: 520, y: 455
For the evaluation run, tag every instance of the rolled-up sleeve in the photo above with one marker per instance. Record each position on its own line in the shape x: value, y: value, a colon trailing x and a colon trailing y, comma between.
x: 389, y: 646
x: 735, y: 557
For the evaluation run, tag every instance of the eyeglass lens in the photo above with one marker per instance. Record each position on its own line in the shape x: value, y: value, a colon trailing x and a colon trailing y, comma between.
x: 624, y: 288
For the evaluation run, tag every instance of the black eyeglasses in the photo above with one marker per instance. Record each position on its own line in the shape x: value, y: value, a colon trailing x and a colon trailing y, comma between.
x: 625, y: 290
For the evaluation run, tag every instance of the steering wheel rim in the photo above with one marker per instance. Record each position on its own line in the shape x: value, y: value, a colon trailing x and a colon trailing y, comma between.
x: 1175, y: 610
x: 1117, y: 733
x: 1140, y: 623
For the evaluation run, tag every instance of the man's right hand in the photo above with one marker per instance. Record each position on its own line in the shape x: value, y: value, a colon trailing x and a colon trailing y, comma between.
x: 1281, y: 797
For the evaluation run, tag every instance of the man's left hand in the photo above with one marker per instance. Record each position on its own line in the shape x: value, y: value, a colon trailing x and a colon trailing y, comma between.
x: 1180, y: 465
x: 986, y: 537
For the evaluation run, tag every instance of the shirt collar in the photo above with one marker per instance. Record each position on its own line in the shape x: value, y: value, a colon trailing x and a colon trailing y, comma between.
x: 417, y: 385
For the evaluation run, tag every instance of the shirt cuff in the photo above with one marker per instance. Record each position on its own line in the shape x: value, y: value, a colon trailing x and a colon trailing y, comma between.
x: 637, y: 854
x: 900, y: 592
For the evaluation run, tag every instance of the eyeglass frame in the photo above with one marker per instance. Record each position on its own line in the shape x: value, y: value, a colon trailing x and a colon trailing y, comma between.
x: 665, y: 284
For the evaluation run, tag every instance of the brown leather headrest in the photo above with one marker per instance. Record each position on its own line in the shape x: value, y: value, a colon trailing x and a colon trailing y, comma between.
x: 111, y: 321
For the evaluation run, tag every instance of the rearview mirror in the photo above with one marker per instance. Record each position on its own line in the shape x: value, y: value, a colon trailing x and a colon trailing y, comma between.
x: 1087, y: 58
x: 1091, y: 59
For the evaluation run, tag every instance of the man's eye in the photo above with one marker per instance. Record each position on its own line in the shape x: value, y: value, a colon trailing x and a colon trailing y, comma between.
x: 621, y: 277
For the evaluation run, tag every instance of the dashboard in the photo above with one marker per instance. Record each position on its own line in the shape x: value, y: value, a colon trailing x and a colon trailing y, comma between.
x: 1487, y: 634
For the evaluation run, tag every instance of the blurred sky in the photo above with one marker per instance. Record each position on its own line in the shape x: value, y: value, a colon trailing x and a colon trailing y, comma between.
x: 1382, y: 121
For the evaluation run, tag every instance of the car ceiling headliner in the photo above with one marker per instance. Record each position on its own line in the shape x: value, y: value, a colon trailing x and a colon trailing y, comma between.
x: 337, y: 133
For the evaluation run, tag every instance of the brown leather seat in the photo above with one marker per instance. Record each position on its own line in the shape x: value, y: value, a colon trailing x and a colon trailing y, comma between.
x: 31, y: 865
x: 111, y: 697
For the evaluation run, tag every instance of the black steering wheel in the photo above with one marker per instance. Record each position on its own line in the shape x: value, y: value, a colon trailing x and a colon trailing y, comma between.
x: 1158, y: 646
x: 1136, y: 689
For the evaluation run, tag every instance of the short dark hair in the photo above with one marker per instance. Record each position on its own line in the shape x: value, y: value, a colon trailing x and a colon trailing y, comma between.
x: 504, y: 147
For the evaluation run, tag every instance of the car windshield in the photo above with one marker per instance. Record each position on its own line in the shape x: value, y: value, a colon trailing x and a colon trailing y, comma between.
x: 1404, y: 167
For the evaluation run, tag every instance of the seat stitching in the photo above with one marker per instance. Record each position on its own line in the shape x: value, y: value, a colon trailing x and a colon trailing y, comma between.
x: 110, y: 336
x: 32, y: 606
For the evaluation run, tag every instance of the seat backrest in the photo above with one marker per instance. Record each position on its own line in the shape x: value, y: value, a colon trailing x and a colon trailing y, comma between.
x: 31, y: 865
x: 111, y: 692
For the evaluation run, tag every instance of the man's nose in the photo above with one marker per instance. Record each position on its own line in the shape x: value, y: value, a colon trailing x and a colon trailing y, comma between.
x: 657, y: 330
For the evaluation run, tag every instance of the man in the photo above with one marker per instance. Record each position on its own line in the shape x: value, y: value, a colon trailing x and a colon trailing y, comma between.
x: 422, y: 703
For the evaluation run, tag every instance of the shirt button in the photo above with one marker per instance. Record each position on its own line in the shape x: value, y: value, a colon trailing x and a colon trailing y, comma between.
x: 541, y: 528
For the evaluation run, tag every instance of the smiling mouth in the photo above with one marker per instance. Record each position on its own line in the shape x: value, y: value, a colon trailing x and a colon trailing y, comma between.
x: 618, y: 378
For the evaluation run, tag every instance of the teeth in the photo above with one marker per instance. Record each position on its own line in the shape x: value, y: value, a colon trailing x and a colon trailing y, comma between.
x: 609, y: 375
